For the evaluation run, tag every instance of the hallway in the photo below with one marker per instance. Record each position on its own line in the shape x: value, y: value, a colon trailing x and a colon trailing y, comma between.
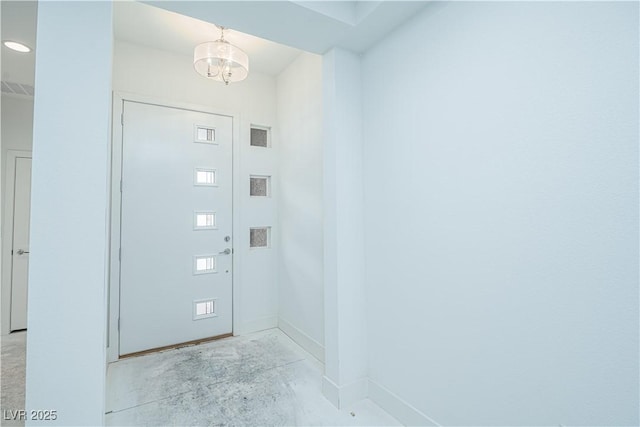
x: 258, y: 379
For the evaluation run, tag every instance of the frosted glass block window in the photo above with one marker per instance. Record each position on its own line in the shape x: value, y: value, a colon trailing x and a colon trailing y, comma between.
x: 260, y: 237
x: 206, y: 177
x: 205, y: 134
x: 260, y: 186
x: 204, y: 264
x: 204, y: 220
x: 260, y: 137
x: 204, y: 308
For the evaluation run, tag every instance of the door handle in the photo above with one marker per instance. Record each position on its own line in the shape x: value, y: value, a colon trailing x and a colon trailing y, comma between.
x: 225, y: 252
x: 22, y: 252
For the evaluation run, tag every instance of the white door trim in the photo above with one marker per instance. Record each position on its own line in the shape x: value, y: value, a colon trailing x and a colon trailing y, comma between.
x: 7, y: 235
x: 113, y: 299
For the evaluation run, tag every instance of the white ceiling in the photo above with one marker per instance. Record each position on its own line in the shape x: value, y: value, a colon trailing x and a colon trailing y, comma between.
x: 18, y: 24
x: 314, y: 26
x: 159, y: 28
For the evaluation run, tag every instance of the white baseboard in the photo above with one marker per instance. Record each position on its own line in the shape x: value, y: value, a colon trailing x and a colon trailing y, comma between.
x: 256, y: 325
x: 331, y: 391
x: 303, y: 340
x: 397, y: 407
x: 354, y: 392
x: 343, y: 396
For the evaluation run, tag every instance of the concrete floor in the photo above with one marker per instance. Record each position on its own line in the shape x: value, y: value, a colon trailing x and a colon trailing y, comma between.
x: 13, y: 358
x: 258, y: 379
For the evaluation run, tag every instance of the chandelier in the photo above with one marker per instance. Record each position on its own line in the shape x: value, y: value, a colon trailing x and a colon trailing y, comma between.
x: 220, y: 60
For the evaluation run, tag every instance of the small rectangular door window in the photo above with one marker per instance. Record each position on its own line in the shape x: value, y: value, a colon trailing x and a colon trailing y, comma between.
x: 205, y: 177
x: 205, y: 134
x: 203, y: 309
x: 204, y: 264
x: 204, y: 221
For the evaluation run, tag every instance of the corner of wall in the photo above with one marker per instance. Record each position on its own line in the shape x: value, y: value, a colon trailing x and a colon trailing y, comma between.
x: 299, y: 195
x: 343, y: 396
x: 257, y: 325
x: 303, y: 340
x: 397, y: 407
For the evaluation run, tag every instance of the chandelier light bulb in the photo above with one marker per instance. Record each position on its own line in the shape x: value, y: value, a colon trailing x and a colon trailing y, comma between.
x: 221, y: 61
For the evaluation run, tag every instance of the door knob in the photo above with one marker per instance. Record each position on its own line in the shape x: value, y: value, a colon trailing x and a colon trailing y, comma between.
x: 225, y: 252
x: 22, y: 252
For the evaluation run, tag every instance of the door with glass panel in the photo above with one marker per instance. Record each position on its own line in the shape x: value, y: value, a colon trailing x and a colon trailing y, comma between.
x: 176, y: 223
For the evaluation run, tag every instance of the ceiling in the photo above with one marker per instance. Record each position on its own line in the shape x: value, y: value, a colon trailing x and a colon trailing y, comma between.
x: 18, y: 24
x: 281, y: 28
x: 161, y: 29
x: 314, y: 26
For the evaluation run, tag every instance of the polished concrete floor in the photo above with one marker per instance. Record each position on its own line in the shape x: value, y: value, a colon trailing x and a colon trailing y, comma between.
x: 259, y: 379
x: 255, y: 380
x: 13, y: 361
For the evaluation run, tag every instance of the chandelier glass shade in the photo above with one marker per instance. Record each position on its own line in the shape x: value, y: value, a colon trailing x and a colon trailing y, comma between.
x: 220, y: 60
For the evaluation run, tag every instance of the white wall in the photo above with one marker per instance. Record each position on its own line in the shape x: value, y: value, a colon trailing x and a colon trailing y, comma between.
x: 67, y: 285
x: 17, y: 134
x: 501, y: 197
x: 17, y: 127
x: 17, y: 122
x: 345, y: 378
x: 301, y: 305
x: 171, y: 78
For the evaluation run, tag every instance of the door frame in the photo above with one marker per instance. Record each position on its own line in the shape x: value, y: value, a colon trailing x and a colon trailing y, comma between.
x: 114, y: 220
x: 7, y: 234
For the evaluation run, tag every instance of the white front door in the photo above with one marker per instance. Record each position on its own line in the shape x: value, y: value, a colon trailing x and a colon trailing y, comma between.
x: 176, y: 223
x: 20, y: 243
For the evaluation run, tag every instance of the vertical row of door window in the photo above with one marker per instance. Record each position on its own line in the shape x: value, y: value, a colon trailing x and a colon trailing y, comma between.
x: 260, y: 186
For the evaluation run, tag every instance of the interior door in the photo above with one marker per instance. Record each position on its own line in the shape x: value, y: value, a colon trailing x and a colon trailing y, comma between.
x: 176, y: 223
x: 20, y: 243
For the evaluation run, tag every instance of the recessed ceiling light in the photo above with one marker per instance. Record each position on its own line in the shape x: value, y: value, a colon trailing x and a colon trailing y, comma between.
x: 18, y: 47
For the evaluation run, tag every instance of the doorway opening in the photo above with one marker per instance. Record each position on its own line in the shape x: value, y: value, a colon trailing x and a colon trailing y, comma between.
x: 273, y: 255
x: 16, y: 232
